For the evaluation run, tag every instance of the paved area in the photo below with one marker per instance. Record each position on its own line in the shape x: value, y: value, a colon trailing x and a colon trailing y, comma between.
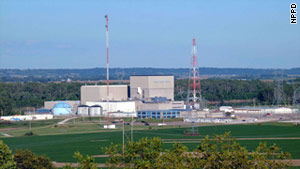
x: 293, y: 162
x: 6, y: 135
x: 65, y: 120
x: 257, y: 138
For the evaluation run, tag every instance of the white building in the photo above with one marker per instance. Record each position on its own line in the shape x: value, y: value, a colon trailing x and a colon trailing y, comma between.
x: 27, y: 117
x: 122, y: 106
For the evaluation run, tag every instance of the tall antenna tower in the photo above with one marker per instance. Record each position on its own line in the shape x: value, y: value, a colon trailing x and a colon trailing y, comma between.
x: 279, y: 96
x: 107, y: 68
x: 296, y: 101
x: 194, y: 89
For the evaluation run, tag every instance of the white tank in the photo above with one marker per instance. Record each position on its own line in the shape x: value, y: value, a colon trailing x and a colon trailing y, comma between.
x: 95, y: 110
x: 83, y: 110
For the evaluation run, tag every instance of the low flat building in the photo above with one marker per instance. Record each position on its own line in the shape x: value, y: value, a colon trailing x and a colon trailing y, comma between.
x: 27, y: 117
x: 158, y: 114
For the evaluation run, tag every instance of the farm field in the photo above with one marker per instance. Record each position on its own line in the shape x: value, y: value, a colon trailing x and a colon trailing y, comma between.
x: 61, y: 147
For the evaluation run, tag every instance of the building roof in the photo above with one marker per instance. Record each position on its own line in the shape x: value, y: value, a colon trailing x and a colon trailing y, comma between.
x: 151, y: 75
x: 62, y: 105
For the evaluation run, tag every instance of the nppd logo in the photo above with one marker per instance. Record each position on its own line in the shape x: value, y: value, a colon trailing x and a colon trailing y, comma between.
x: 293, y: 13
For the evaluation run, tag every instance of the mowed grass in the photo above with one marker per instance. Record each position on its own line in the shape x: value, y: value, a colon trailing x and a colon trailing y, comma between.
x: 61, y: 147
x: 25, y: 124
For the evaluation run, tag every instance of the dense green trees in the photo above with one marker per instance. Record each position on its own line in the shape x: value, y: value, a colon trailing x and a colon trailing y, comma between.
x: 26, y: 159
x: 6, y: 157
x: 33, y: 94
x: 220, y: 90
x: 221, y: 151
x: 22, y: 159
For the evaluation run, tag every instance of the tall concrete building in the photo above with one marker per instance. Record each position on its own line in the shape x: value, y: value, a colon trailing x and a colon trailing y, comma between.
x: 96, y: 93
x: 147, y: 87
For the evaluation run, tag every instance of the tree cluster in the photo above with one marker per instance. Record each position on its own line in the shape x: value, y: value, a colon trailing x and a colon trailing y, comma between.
x: 218, y: 152
x: 22, y: 159
x: 33, y: 94
x: 221, y: 90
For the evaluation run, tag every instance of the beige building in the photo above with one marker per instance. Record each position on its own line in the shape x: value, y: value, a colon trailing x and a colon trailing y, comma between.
x: 96, y: 93
x: 168, y: 105
x: 147, y: 87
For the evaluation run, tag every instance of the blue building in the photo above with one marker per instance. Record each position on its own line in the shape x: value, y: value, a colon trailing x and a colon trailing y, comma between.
x: 158, y: 114
x: 62, y: 109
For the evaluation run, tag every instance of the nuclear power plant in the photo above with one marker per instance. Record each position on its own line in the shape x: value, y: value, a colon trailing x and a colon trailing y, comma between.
x: 145, y: 93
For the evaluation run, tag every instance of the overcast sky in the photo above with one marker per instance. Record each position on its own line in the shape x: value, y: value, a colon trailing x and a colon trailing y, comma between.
x: 153, y: 33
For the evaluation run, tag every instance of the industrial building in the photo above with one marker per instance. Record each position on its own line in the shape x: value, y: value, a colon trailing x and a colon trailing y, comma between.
x: 264, y: 110
x: 98, y: 93
x: 159, y: 114
x: 62, y: 109
x: 163, y: 105
x: 147, y: 87
x: 115, y: 106
x: 27, y: 117
x: 145, y: 94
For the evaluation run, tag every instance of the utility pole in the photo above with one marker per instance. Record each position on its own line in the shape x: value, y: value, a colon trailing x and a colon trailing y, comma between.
x: 132, y: 127
x: 123, y: 147
x: 30, y: 121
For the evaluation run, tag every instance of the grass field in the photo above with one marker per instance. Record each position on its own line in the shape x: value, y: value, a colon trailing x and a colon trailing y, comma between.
x: 60, y: 147
x: 25, y: 124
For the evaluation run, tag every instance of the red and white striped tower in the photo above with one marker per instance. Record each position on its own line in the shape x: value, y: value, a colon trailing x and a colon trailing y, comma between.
x: 107, y: 68
x: 194, y: 88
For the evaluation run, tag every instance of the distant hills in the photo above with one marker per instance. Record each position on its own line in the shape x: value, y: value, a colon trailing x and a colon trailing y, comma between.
x: 44, y: 75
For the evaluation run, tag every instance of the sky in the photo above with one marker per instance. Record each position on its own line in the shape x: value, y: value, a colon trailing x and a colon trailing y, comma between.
x: 148, y: 33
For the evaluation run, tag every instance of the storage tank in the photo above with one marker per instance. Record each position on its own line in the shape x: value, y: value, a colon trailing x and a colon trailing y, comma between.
x: 95, y: 110
x: 62, y: 109
x: 83, y: 110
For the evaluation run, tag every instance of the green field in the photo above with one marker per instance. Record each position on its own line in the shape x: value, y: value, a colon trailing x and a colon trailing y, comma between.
x: 60, y: 147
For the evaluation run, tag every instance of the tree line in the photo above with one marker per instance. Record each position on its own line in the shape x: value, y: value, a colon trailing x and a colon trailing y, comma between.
x: 14, y: 96
x: 221, y: 90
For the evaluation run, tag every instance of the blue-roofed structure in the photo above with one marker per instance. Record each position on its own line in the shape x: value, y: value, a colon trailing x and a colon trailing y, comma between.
x: 43, y: 111
x: 62, y: 109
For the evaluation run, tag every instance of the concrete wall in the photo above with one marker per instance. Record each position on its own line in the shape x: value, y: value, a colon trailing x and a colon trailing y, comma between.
x: 152, y: 86
x: 99, y: 93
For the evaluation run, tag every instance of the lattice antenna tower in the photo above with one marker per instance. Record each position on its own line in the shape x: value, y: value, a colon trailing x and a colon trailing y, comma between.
x: 296, y: 100
x: 120, y: 75
x: 279, y: 96
x: 296, y: 97
x: 180, y: 93
x: 194, y: 96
